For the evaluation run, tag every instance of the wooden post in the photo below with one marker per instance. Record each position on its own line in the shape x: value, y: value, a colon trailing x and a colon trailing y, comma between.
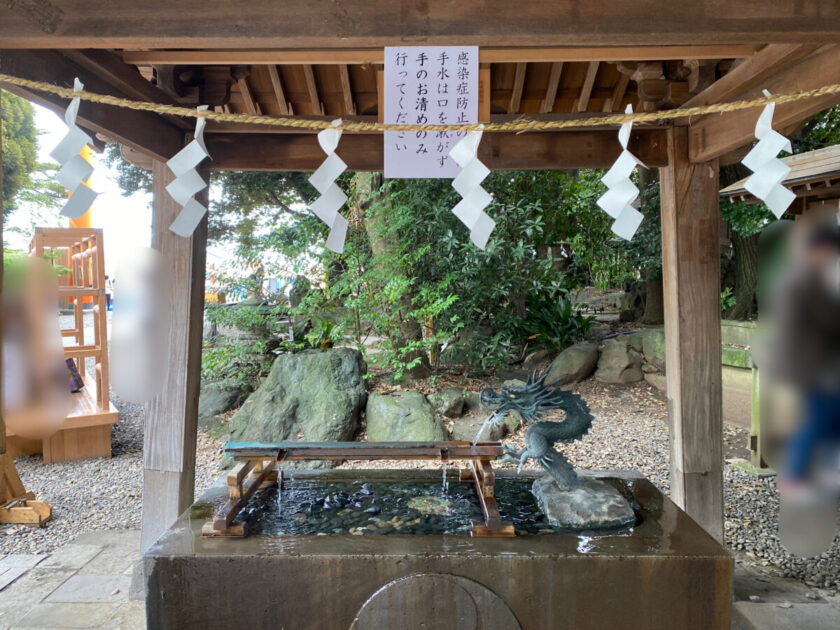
x: 691, y: 284
x: 2, y: 419
x: 172, y: 416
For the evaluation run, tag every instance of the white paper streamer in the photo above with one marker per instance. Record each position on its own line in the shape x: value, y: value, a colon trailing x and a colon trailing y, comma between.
x: 188, y: 181
x: 74, y: 168
x: 768, y: 171
x: 326, y: 207
x: 621, y: 192
x: 470, y: 210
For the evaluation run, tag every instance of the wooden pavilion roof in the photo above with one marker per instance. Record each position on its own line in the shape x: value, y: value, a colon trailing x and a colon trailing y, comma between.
x: 814, y: 177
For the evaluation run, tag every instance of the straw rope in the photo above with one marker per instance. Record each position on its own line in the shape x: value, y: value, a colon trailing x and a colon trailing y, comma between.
x: 519, y: 125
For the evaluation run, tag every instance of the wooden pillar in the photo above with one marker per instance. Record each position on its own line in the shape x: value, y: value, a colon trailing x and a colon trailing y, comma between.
x: 2, y: 419
x: 691, y: 284
x: 172, y: 416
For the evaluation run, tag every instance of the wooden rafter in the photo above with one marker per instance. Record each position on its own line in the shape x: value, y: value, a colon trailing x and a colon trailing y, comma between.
x: 614, y: 102
x: 346, y: 90
x: 588, y: 84
x: 714, y: 135
x: 279, y: 92
x: 551, y: 88
x: 312, y: 90
x: 518, y: 85
x: 251, y: 105
x: 489, y: 54
x: 145, y: 131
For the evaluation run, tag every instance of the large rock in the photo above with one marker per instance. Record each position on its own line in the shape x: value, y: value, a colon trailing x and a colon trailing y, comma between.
x: 575, y: 363
x: 312, y: 396
x: 653, y: 346
x: 619, y: 362
x: 449, y: 402
x: 467, y: 428
x: 402, y: 417
x: 216, y: 399
x: 592, y: 505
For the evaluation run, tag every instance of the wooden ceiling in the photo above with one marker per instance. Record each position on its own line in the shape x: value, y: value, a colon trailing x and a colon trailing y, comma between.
x: 521, y: 82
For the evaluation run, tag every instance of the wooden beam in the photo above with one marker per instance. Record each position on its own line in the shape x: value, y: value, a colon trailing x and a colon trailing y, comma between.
x: 2, y: 317
x: 169, y: 439
x: 614, y: 102
x: 551, y: 88
x: 518, y: 85
x: 588, y: 83
x: 377, y: 23
x: 251, y: 105
x: 312, y: 89
x: 714, y: 135
x: 364, y: 152
x: 751, y: 72
x: 279, y: 92
x: 366, y: 56
x: 691, y: 284
x: 145, y: 131
x: 347, y: 90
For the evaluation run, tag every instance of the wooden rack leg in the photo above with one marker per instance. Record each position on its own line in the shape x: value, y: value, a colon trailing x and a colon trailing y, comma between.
x: 224, y: 523
x: 481, y: 472
x: 18, y: 505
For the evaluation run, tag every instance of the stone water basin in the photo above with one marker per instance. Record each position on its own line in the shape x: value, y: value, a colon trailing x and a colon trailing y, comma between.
x: 311, y: 566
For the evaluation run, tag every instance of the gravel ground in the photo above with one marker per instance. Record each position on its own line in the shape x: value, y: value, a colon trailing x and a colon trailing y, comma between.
x: 97, y: 493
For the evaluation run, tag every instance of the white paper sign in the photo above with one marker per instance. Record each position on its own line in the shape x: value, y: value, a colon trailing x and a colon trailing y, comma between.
x: 428, y: 85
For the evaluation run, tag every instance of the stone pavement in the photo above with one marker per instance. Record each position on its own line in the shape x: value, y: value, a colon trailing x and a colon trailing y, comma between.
x: 84, y: 584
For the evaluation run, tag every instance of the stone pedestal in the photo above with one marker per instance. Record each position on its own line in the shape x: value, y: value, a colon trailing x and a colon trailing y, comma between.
x: 666, y: 572
x: 592, y: 505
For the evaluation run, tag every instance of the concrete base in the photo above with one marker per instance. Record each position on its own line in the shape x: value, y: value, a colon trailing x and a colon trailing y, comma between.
x: 665, y: 573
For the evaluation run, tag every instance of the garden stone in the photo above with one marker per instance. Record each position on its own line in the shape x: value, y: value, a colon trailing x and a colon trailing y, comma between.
x: 575, y: 363
x: 619, y: 363
x: 449, y: 402
x: 402, y: 417
x: 216, y: 399
x: 472, y: 402
x: 657, y: 380
x: 597, y: 331
x: 653, y: 346
x: 537, y: 361
x: 465, y: 429
x: 312, y: 396
x: 593, y: 504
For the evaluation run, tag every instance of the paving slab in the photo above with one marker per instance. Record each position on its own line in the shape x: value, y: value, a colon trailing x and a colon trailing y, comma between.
x: 112, y: 560
x: 123, y: 537
x: 131, y: 615
x: 92, y: 589
x: 65, y: 615
x: 770, y: 589
x: 72, y: 556
x: 758, y: 616
x: 9, y: 575
x: 25, y: 560
x: 18, y: 598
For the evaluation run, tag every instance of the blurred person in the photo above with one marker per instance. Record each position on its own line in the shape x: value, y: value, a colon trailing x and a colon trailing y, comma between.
x: 805, y: 311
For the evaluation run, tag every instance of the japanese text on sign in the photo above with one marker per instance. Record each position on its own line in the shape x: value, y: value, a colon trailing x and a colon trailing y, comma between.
x: 428, y: 85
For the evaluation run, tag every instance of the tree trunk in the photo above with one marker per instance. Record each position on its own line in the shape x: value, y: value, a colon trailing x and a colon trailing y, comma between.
x: 654, y: 303
x: 384, y: 242
x: 745, y: 255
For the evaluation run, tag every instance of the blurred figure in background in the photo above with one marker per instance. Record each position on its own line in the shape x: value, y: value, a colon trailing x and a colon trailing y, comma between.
x: 805, y: 316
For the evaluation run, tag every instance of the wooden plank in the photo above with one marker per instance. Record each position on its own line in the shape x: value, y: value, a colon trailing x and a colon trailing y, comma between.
x: 484, y: 93
x: 346, y: 90
x: 312, y: 90
x: 516, y: 91
x: 251, y: 105
x: 279, y: 92
x: 551, y: 88
x: 145, y: 131
x: 172, y: 416
x: 311, y: 451
x: 550, y: 150
x: 614, y: 102
x: 751, y: 72
x: 588, y: 83
x: 378, y: 23
x: 76, y: 444
x: 3, y: 455
x: 691, y: 284
x: 489, y: 54
x: 714, y: 135
x: 224, y: 517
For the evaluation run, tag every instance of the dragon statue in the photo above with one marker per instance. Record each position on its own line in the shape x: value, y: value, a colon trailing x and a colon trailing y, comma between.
x: 531, y: 401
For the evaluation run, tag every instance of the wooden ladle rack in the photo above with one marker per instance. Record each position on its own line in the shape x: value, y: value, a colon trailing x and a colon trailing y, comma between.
x: 259, y: 465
